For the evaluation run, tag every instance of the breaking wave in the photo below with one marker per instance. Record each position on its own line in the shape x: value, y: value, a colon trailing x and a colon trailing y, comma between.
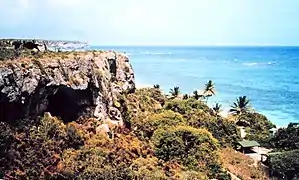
x: 258, y: 63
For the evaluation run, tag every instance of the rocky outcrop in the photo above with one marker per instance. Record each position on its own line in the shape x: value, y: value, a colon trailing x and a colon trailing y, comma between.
x: 20, y: 48
x: 42, y: 45
x: 66, y: 84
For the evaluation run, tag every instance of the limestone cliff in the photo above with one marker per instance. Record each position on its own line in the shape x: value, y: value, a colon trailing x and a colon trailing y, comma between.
x: 66, y: 84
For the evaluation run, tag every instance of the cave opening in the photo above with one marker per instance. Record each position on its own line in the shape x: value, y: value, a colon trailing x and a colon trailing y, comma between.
x: 10, y: 111
x: 69, y: 104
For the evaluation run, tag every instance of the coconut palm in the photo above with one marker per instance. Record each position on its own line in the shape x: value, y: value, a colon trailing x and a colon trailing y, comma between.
x: 209, y: 89
x: 217, y: 108
x: 241, y: 106
x: 174, y: 92
x: 196, y: 95
x: 185, y: 96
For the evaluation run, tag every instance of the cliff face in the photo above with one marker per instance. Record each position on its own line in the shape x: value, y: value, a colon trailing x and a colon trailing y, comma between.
x: 65, y: 84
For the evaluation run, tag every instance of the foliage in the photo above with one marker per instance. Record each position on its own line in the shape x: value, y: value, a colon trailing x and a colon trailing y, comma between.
x: 8, y: 54
x: 185, y: 96
x: 259, y: 127
x: 209, y: 89
x: 191, y: 175
x: 146, y: 126
x: 175, y: 92
x: 194, y: 148
x: 157, y: 86
x: 136, y: 106
x: 184, y: 106
x: 196, y: 95
x: 242, y: 105
x: 163, y: 139
x: 222, y: 129
x: 286, y: 138
x: 104, y: 158
x: 217, y: 109
x: 242, y: 165
x: 147, y: 169
x: 198, y: 115
x: 285, y: 164
x: 35, y: 154
x: 146, y: 99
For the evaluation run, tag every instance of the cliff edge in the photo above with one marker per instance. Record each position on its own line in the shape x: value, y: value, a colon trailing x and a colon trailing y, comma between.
x: 66, y: 84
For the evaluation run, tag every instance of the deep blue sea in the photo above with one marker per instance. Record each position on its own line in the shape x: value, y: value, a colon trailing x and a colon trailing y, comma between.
x: 268, y: 76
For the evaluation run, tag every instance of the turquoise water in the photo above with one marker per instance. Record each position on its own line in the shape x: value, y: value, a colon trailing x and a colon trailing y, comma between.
x: 269, y: 76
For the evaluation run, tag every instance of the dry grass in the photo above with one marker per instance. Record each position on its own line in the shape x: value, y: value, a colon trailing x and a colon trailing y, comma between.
x: 29, y: 55
x: 241, y: 165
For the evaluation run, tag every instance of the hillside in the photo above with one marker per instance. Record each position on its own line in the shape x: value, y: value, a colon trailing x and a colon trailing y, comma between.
x: 77, y: 115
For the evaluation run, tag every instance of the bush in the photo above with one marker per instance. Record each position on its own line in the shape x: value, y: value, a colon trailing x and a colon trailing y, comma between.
x: 259, y: 126
x: 191, y: 147
x: 147, y: 169
x: 286, y: 138
x: 184, y: 106
x: 146, y: 126
x: 35, y: 153
x: 104, y: 158
x: 285, y: 164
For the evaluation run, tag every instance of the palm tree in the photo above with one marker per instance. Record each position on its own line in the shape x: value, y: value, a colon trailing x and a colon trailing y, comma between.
x: 186, y: 96
x: 157, y: 86
x: 174, y: 92
x: 241, y: 106
x: 209, y: 89
x: 217, y: 109
x: 196, y: 95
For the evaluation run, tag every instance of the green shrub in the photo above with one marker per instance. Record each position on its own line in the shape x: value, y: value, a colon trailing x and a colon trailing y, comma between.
x: 285, y: 164
x: 286, y: 138
x: 194, y: 148
x: 147, y: 169
x: 222, y: 129
x: 146, y: 126
x: 259, y: 127
x: 185, y: 106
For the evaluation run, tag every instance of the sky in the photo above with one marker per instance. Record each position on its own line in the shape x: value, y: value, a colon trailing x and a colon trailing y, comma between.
x: 154, y: 22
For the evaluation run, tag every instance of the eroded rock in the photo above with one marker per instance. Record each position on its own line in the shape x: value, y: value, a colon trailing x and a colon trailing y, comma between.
x: 67, y: 85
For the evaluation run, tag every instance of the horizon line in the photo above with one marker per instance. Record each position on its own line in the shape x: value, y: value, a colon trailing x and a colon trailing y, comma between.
x: 193, y: 45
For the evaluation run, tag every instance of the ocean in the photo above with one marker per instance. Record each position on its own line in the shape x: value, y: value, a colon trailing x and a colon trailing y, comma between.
x: 268, y: 76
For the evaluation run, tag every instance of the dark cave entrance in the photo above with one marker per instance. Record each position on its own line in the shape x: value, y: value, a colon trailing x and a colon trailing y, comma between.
x: 10, y: 111
x: 69, y: 104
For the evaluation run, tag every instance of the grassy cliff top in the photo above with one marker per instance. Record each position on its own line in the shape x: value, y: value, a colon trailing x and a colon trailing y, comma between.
x: 44, y: 40
x: 9, y: 56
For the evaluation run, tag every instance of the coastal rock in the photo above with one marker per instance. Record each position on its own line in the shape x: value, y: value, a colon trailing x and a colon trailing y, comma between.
x: 66, y: 84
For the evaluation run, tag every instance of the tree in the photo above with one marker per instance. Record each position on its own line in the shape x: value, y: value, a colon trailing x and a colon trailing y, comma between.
x: 157, y: 86
x: 196, y: 95
x: 185, y: 96
x: 194, y: 148
x: 284, y: 164
x: 217, y: 109
x: 241, y: 106
x: 286, y: 138
x: 209, y: 89
x: 175, y: 92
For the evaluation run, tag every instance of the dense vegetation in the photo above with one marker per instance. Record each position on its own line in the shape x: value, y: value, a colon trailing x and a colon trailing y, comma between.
x: 284, y: 161
x: 165, y: 137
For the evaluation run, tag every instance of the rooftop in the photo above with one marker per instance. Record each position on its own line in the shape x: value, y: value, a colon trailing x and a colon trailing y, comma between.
x: 246, y: 143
